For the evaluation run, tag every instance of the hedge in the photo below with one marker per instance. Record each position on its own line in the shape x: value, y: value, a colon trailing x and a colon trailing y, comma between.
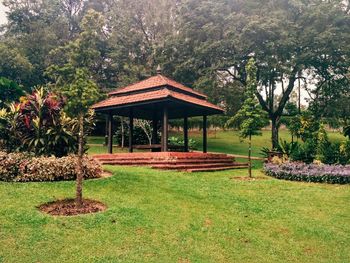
x: 332, y: 174
x: 19, y: 167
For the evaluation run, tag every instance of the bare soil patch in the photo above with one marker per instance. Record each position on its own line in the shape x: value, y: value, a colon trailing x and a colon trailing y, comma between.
x: 106, y: 174
x: 246, y: 178
x: 68, y: 207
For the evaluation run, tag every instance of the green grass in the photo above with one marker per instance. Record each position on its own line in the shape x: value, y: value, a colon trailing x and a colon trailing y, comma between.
x: 162, y: 216
x: 224, y: 141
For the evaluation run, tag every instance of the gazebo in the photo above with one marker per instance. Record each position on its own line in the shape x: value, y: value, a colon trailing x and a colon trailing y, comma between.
x: 158, y: 99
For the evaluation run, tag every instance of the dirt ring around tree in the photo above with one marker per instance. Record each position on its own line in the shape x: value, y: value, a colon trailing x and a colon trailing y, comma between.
x: 67, y: 207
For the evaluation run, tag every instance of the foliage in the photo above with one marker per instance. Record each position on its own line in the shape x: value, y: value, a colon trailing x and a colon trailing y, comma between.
x: 14, y: 65
x: 306, y: 125
x: 10, y: 91
x: 176, y: 141
x: 326, y: 152
x: 139, y: 135
x: 287, y: 148
x: 37, y: 124
x: 346, y: 131
x: 333, y: 174
x: 306, y: 152
x: 21, y: 167
x: 344, y: 152
x: 251, y: 118
x: 203, y: 44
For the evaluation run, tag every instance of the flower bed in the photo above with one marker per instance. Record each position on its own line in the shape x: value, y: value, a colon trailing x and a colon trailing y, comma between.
x: 19, y: 167
x: 333, y: 174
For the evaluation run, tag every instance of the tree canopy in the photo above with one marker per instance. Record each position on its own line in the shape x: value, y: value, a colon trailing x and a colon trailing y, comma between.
x: 203, y: 44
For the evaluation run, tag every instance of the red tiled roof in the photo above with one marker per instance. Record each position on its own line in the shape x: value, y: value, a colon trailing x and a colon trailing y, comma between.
x: 153, y: 82
x: 153, y: 95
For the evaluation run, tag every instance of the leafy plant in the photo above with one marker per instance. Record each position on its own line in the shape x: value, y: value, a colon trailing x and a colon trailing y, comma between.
x: 334, y: 174
x: 192, y: 144
x: 10, y: 91
x: 37, y: 124
x: 287, y: 148
x: 346, y: 131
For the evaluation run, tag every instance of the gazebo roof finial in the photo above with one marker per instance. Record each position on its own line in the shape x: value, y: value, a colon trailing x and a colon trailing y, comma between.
x: 159, y: 69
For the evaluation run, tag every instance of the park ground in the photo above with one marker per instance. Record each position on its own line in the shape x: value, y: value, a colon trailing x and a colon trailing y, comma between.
x: 167, y: 216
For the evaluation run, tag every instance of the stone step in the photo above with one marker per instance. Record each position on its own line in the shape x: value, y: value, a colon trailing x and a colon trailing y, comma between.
x: 162, y: 162
x: 191, y: 166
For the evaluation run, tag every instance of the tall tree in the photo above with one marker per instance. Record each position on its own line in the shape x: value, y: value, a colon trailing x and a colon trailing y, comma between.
x: 220, y: 36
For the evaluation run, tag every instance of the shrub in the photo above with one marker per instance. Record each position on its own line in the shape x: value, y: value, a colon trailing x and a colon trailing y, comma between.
x: 333, y: 174
x: 25, y: 168
x: 305, y: 152
x: 38, y: 124
x: 344, y: 152
x: 192, y: 144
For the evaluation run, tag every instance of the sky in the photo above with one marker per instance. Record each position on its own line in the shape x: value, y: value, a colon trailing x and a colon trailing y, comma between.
x: 2, y: 13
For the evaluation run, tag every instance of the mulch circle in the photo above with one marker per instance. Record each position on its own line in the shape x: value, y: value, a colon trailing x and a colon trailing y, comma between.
x: 67, y: 207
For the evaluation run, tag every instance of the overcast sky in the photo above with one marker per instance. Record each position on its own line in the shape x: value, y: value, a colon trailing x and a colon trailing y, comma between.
x: 2, y: 13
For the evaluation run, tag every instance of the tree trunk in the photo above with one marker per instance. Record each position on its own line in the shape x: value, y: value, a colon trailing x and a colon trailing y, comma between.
x: 275, y: 137
x: 249, y: 156
x: 80, y: 172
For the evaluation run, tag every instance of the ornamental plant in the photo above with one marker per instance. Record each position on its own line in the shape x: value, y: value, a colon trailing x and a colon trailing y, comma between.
x: 37, y: 124
x: 333, y: 174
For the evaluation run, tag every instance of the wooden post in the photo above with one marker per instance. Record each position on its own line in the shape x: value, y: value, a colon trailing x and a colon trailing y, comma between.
x: 186, y: 134
x: 165, y: 130
x: 110, y: 133
x: 204, y: 134
x: 131, y: 130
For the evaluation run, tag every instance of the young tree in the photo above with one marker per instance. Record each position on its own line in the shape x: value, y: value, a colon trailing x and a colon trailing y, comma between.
x: 81, y: 93
x: 251, y: 118
x: 74, y: 77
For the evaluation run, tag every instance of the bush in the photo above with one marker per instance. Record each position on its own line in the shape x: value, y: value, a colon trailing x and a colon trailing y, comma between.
x: 38, y: 124
x: 175, y: 141
x: 344, y: 152
x: 26, y: 168
x: 333, y: 174
x: 305, y: 152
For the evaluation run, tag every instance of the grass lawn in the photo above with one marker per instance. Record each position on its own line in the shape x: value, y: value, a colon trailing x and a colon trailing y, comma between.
x: 223, y: 141
x: 162, y: 216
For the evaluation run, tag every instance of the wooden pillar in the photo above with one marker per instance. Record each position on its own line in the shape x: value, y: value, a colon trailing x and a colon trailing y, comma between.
x: 204, y: 134
x: 131, y: 130
x: 165, y: 125
x: 110, y: 133
x: 186, y: 134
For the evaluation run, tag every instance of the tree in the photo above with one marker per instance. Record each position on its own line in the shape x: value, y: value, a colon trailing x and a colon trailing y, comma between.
x: 146, y: 127
x: 10, y: 91
x: 251, y: 117
x: 73, y: 76
x: 219, y: 36
x: 81, y: 93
